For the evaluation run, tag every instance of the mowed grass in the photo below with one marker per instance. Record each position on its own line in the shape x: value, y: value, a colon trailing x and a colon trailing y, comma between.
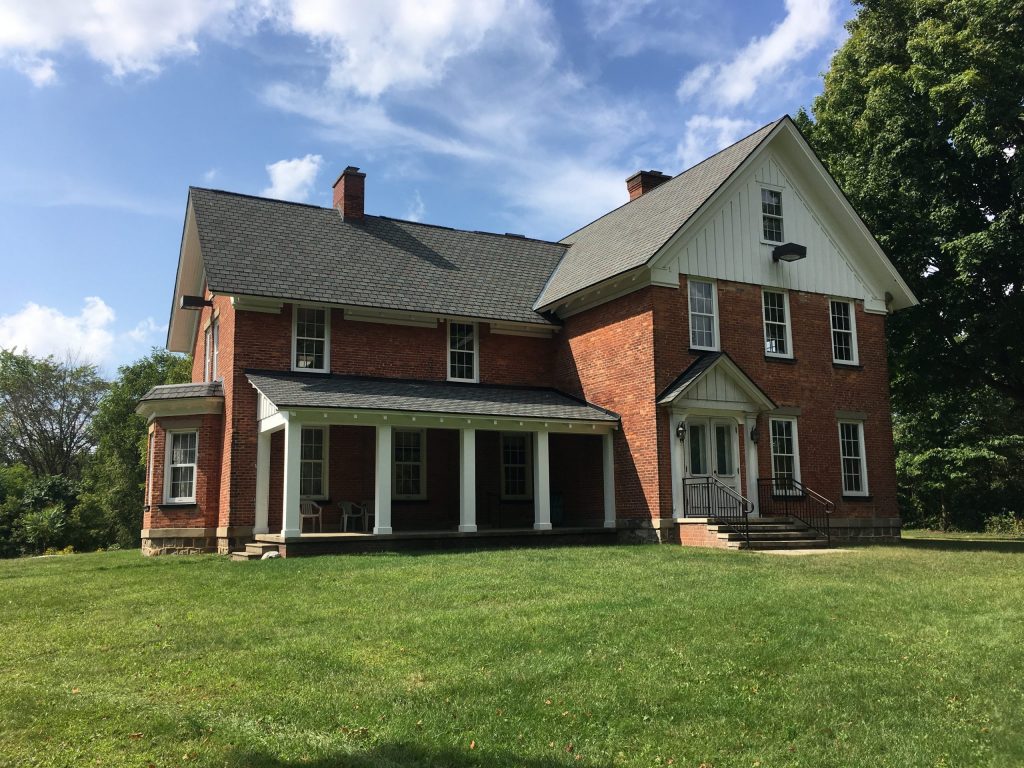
x: 631, y: 656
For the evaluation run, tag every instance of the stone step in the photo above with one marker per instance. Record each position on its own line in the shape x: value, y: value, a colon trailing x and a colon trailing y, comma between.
x: 786, y: 544
x: 245, y: 556
x: 260, y: 548
x: 773, y: 536
x: 759, y: 528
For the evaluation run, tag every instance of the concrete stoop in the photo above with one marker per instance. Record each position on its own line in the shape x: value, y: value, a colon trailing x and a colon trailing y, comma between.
x: 769, y: 533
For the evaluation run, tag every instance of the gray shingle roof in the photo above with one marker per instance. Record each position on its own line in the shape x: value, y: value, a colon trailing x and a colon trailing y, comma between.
x: 260, y: 247
x: 296, y: 390
x: 630, y: 235
x: 178, y: 391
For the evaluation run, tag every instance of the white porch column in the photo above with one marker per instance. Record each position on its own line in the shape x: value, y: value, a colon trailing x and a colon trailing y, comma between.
x: 382, y: 494
x: 467, y: 480
x: 290, y: 523
x: 262, y: 482
x: 608, y: 441
x: 541, y: 483
x: 751, y: 460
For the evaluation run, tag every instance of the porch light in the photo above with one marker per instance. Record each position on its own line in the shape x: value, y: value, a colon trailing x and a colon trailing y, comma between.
x: 789, y: 252
x: 194, y: 302
x: 755, y: 434
x: 681, y: 432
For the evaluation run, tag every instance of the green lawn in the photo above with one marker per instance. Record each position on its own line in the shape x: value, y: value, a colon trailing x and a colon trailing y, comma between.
x: 639, y: 656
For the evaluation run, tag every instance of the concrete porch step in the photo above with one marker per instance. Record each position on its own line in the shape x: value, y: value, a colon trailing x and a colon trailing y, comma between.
x: 768, y: 528
x: 784, y: 544
x: 795, y: 535
x: 254, y: 550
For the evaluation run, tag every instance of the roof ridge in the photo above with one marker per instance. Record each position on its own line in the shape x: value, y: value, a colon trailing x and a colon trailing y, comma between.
x: 257, y: 197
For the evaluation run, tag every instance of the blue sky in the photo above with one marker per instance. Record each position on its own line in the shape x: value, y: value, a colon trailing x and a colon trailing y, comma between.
x: 504, y: 115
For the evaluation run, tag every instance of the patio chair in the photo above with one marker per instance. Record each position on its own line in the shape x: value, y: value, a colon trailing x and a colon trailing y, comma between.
x: 310, y: 510
x: 351, y: 511
x: 371, y: 516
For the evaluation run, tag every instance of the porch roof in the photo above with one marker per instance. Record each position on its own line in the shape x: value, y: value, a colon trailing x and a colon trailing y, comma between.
x: 179, y: 391
x: 315, y: 391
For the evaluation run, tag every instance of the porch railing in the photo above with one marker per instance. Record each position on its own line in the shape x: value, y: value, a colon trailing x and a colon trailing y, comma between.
x: 788, y: 497
x: 711, y: 498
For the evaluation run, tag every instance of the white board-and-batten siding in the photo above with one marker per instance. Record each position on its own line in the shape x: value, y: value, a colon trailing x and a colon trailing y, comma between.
x: 725, y: 243
x: 716, y: 385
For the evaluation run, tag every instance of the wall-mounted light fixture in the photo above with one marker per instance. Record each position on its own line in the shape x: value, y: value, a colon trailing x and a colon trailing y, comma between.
x: 194, y: 302
x: 789, y: 252
x: 681, y: 432
x: 755, y: 434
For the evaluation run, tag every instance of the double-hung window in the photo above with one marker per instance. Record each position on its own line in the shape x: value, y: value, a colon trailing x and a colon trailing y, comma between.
x: 215, y: 357
x: 777, y: 335
x: 771, y: 215
x: 313, y: 463
x: 851, y: 456
x: 463, y: 364
x: 311, y: 339
x: 410, y: 464
x: 844, y: 331
x: 516, y: 476
x: 785, y: 455
x: 180, y: 481
x: 703, y: 315
x: 208, y: 353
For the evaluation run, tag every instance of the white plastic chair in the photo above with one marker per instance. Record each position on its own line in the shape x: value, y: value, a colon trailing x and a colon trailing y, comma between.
x: 350, y: 511
x: 371, y: 515
x: 310, y: 510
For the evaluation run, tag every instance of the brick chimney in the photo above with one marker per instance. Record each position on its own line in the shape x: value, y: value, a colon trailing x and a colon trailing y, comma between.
x: 644, y: 181
x: 349, y: 192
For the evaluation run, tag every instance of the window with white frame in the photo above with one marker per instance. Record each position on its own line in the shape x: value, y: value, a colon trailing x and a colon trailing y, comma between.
x: 180, y: 481
x: 516, y: 475
x: 785, y: 454
x: 777, y: 334
x: 208, y: 352
x: 462, y: 352
x: 311, y: 339
x: 851, y: 455
x: 150, y: 455
x: 771, y: 215
x: 410, y: 477
x: 313, y: 463
x: 215, y: 357
x: 844, y: 331
x: 703, y: 315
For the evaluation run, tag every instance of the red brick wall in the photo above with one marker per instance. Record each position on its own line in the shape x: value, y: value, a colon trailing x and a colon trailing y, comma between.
x: 202, y: 514
x: 811, y: 382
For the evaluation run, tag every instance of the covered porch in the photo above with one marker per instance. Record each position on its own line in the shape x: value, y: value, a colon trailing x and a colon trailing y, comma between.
x: 342, y: 461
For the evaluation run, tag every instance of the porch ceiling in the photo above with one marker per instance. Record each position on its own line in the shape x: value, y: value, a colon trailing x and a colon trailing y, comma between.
x: 316, y: 391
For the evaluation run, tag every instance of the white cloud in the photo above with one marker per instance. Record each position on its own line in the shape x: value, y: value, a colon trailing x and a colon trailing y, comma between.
x: 417, y: 209
x: 293, y: 179
x: 90, y: 335
x: 703, y: 135
x: 210, y: 175
x: 764, y: 60
x: 39, y: 70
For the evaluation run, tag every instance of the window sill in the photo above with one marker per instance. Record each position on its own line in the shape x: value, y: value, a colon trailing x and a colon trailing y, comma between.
x: 847, y: 366
x: 780, y: 359
x: 463, y: 381
x: 772, y: 243
x: 856, y: 497
x: 320, y: 371
x: 418, y: 499
x: 177, y: 504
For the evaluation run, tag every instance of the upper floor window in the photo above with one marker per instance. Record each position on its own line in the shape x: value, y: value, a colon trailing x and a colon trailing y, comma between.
x: 313, y: 463
x: 515, y: 466
x: 777, y: 334
x: 844, y: 331
x: 214, y: 340
x: 463, y: 364
x: 703, y: 315
x: 208, y: 353
x: 785, y: 454
x: 410, y: 464
x: 180, y: 481
x: 311, y: 339
x: 771, y: 215
x: 851, y: 454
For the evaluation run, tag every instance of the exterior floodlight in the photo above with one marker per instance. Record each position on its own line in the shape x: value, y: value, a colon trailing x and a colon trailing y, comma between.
x: 789, y: 252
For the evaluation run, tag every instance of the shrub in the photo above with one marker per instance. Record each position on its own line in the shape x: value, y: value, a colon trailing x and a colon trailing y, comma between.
x: 1006, y: 524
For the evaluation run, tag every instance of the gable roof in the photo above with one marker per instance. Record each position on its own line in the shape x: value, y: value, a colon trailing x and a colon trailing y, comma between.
x: 629, y: 236
x: 254, y: 246
x: 701, y: 367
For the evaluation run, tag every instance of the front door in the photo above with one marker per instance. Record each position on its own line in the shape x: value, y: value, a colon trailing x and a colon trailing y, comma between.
x: 710, y: 451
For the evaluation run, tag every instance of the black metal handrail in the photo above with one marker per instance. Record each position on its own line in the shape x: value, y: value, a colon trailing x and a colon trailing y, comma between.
x: 789, y: 497
x: 711, y: 498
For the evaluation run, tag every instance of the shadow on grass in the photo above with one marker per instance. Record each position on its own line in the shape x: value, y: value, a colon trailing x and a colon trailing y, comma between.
x: 950, y: 544
x: 405, y: 756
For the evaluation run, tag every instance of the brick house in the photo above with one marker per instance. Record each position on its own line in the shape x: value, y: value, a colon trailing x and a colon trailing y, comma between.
x: 706, y: 359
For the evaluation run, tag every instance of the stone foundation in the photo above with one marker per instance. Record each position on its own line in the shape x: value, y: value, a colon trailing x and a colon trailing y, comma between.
x: 657, y: 531
x: 233, y: 539
x: 865, y: 530
x: 178, y: 541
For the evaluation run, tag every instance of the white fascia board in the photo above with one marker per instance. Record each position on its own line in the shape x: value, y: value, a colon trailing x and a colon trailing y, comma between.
x: 425, y: 420
x: 182, y: 406
x: 189, y: 280
x: 611, y: 288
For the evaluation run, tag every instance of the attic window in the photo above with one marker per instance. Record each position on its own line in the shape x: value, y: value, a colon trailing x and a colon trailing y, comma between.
x: 771, y: 215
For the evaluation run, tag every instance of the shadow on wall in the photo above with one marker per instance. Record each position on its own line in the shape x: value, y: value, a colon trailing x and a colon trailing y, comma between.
x: 403, y: 756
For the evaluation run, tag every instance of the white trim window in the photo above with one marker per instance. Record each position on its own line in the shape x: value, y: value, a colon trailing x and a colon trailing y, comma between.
x: 516, y: 466
x: 785, y: 454
x: 311, y: 339
x: 313, y: 463
x: 778, y: 336
x: 215, y: 357
x: 771, y: 215
x: 843, y: 322
x: 852, y: 459
x: 207, y: 352
x: 463, y: 360
x: 703, y: 303
x: 410, y: 464
x: 150, y: 456
x: 182, y: 456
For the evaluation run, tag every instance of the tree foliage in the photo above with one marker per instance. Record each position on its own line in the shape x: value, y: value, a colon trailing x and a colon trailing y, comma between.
x: 921, y: 122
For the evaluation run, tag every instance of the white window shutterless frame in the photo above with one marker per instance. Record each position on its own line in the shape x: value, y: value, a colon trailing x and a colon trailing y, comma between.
x: 702, y: 299
x: 311, y: 339
x: 778, y: 335
x: 182, y: 458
